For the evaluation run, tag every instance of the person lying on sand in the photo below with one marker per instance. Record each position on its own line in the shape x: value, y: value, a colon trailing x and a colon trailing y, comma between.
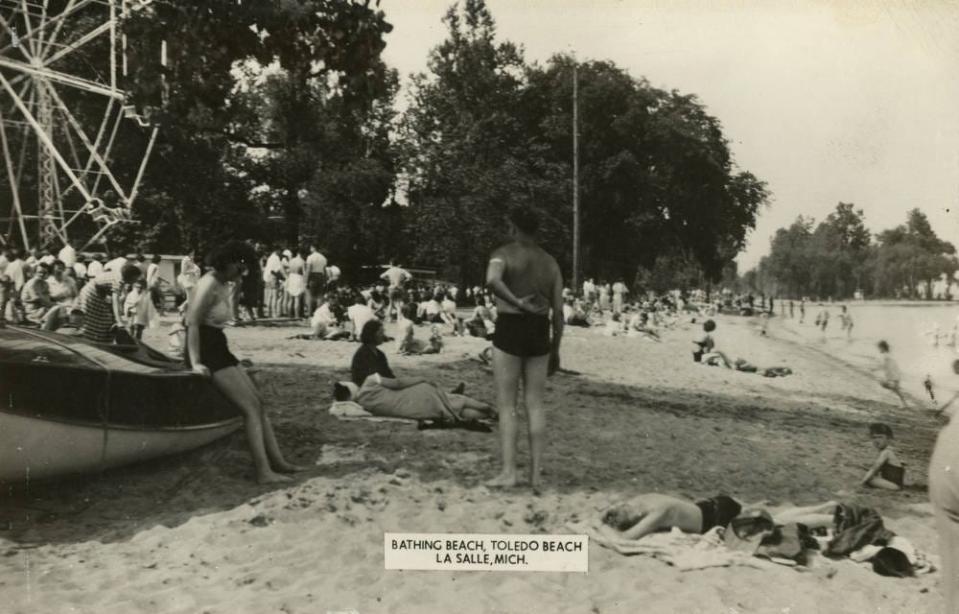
x: 887, y: 472
x: 652, y: 512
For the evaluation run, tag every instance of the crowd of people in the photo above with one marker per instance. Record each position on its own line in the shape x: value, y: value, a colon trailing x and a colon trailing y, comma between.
x: 95, y: 294
x: 522, y: 309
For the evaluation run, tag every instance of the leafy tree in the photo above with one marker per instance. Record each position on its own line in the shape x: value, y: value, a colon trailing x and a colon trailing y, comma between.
x: 320, y: 46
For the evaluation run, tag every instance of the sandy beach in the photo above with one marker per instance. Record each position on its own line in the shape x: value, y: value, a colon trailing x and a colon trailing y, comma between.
x: 194, y: 533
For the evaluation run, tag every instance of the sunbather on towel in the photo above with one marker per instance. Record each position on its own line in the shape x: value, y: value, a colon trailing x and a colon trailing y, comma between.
x: 652, y: 512
x: 384, y: 394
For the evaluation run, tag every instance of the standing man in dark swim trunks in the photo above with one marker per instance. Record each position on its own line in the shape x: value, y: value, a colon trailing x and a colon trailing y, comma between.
x: 397, y: 277
x: 315, y: 273
x: 527, y: 284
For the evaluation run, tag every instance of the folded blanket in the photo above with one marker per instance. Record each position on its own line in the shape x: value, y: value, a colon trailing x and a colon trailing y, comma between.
x: 685, y: 551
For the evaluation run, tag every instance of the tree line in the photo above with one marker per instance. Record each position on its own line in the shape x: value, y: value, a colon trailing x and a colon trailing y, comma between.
x: 280, y: 122
x: 839, y: 256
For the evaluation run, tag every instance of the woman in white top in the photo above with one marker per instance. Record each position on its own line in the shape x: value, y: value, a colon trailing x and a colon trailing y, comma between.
x: 208, y: 354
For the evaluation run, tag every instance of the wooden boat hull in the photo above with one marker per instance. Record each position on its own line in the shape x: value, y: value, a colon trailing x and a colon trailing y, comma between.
x: 38, y: 448
x: 68, y: 406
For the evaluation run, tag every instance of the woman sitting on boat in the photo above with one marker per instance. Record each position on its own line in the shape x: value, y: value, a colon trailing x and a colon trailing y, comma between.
x: 384, y: 394
x: 100, y: 303
x: 208, y: 354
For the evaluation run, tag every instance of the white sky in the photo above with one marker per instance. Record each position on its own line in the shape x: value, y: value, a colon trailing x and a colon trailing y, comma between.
x: 850, y: 100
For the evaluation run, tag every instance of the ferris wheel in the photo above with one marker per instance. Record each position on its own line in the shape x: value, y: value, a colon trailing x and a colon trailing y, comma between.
x: 61, y: 62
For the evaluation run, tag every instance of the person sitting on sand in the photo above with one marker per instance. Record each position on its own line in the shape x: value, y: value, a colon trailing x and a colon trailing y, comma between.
x: 324, y: 323
x: 408, y: 344
x: 653, y: 512
x: 384, y: 394
x: 706, y: 351
x: 891, y: 373
x: 430, y: 311
x: 887, y: 472
x: 359, y: 314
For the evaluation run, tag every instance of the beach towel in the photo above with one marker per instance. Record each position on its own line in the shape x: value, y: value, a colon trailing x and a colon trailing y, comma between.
x: 684, y: 551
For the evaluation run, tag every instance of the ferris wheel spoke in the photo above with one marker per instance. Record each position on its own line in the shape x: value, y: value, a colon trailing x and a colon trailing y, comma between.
x: 74, y: 45
x: 60, y: 77
x: 78, y: 129
x: 12, y: 33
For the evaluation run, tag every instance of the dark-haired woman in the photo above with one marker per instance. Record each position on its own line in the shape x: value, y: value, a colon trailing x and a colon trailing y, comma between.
x: 383, y: 394
x: 528, y: 284
x: 207, y: 353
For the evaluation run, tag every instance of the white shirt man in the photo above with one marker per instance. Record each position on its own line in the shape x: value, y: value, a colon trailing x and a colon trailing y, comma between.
x: 273, y: 265
x: 94, y: 269
x: 67, y: 255
x: 15, y: 271
x: 116, y: 264
x: 153, y: 274
x: 396, y: 276
x: 359, y: 315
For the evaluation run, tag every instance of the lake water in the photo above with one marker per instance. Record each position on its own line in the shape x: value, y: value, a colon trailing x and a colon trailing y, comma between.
x: 910, y: 330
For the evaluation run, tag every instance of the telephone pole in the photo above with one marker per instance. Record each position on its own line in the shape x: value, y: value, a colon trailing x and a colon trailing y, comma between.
x: 575, y: 179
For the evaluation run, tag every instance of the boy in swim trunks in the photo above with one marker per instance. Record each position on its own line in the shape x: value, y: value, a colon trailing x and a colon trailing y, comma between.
x: 891, y: 373
x: 887, y: 472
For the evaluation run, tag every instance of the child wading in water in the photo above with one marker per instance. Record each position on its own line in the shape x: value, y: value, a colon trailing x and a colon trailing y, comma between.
x: 887, y: 472
x: 891, y: 373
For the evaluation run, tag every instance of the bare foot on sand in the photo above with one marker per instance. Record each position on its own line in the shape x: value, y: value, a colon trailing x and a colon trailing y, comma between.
x: 273, y: 478
x: 287, y: 467
x: 503, y: 480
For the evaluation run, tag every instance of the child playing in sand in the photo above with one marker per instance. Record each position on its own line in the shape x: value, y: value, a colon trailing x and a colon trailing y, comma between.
x: 887, y: 472
x: 891, y: 373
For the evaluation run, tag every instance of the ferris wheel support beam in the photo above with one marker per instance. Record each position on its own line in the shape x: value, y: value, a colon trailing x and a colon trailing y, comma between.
x: 59, y: 77
x: 86, y: 141
x: 12, y: 178
x: 43, y: 138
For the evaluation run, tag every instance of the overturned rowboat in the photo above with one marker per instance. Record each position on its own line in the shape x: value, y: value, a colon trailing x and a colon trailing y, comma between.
x: 68, y: 406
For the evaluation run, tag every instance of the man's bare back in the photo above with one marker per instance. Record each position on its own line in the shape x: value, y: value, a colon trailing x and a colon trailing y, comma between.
x: 529, y: 272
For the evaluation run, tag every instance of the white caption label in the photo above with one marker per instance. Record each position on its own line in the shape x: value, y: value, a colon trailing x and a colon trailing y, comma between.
x: 483, y: 552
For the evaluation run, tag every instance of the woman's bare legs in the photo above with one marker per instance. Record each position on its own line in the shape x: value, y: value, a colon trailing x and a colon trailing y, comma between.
x: 507, y: 370
x: 813, y: 516
x: 534, y: 385
x: 277, y: 462
x: 471, y: 409
x: 235, y: 385
x: 878, y: 482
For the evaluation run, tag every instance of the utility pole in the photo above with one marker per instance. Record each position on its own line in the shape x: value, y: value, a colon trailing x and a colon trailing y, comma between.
x: 575, y: 179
